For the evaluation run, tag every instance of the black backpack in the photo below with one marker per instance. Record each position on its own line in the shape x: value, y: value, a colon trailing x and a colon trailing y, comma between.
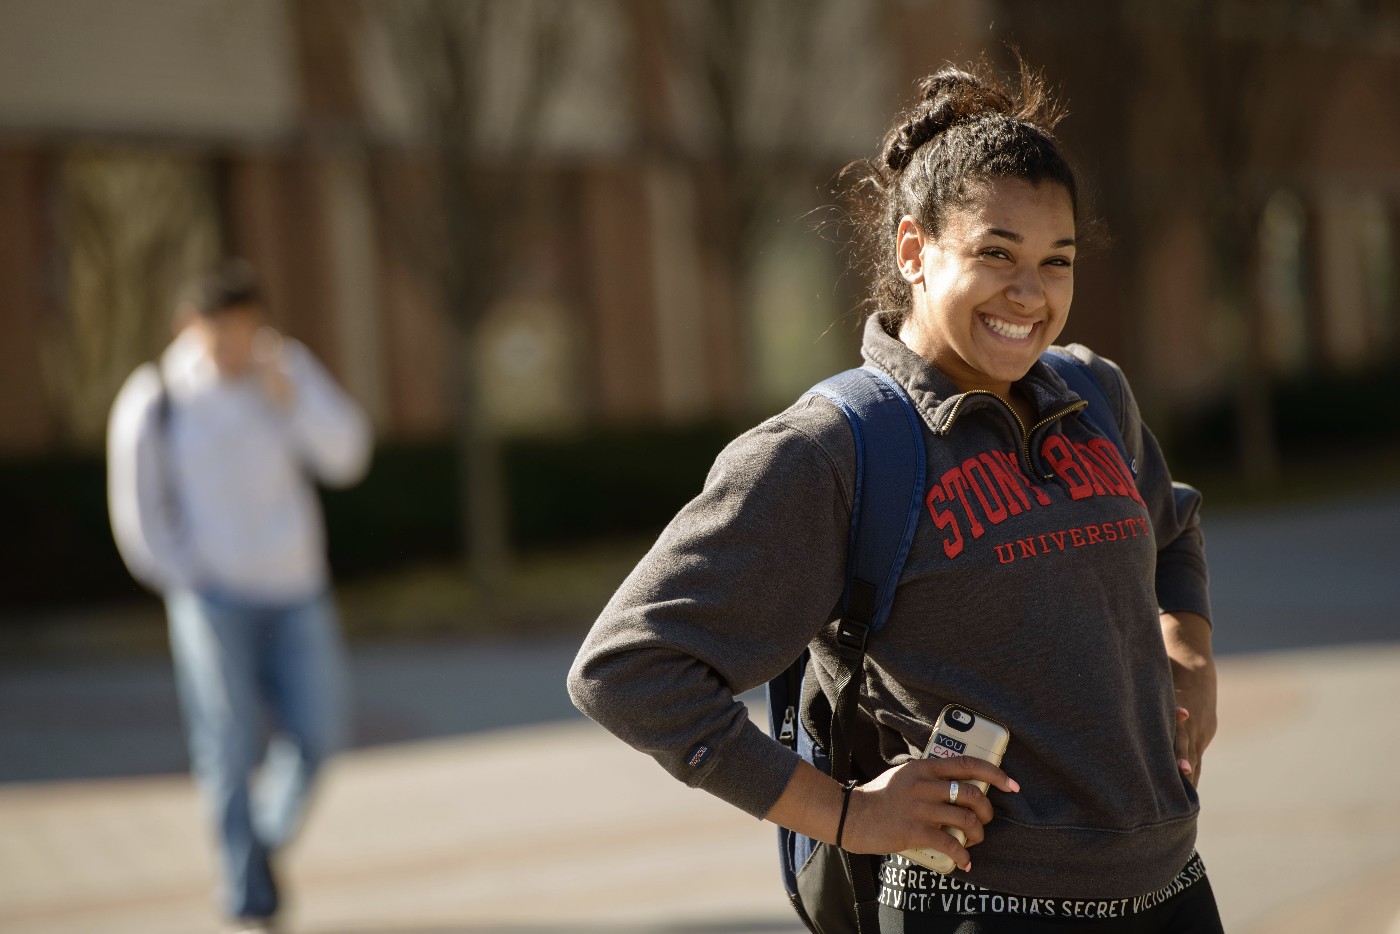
x: 833, y: 891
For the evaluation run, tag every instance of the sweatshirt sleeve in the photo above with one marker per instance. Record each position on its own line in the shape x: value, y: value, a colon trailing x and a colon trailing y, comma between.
x: 1183, y: 581
x: 141, y: 498
x: 731, y: 593
x: 331, y: 431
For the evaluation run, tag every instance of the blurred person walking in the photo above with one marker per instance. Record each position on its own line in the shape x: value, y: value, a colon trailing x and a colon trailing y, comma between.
x: 213, y: 451
x: 1054, y: 583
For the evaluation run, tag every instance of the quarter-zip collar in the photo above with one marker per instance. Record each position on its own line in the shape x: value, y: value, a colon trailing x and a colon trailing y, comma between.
x: 941, y: 404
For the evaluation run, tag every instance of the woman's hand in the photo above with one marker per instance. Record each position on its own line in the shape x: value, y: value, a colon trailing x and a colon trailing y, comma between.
x: 904, y: 807
x: 1187, y: 638
x: 908, y: 807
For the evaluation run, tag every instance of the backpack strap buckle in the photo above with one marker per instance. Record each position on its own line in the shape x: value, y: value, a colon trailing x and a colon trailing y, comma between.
x: 854, y: 628
x: 851, y: 637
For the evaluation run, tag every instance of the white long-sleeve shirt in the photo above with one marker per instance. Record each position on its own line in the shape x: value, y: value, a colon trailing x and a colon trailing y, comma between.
x: 220, y: 494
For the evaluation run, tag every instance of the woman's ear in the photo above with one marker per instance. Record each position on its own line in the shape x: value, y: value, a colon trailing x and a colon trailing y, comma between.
x: 909, y: 250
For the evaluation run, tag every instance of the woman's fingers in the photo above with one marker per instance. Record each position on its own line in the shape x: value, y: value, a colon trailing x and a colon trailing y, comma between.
x: 1188, y: 756
x: 971, y: 800
x: 972, y: 768
x: 965, y: 771
x: 965, y: 819
x: 944, y: 842
x: 912, y: 804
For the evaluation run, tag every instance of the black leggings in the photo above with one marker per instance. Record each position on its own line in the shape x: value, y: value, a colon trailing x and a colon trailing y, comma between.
x: 1185, y: 907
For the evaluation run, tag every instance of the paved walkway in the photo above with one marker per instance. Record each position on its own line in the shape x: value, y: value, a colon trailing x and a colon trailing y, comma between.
x: 549, y: 825
x: 560, y: 828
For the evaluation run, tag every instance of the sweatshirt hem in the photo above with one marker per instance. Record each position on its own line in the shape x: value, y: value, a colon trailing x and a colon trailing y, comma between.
x: 1067, y: 862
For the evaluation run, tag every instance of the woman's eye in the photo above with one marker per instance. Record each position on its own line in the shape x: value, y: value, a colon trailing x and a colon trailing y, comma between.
x: 996, y: 253
x: 1061, y: 261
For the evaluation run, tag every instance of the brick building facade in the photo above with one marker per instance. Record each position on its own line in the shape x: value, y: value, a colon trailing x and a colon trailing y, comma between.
x: 642, y: 176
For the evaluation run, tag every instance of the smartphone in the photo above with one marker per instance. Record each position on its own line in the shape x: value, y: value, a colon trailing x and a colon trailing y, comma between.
x: 960, y: 731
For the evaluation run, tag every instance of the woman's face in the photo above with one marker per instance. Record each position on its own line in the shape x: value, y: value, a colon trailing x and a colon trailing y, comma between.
x: 992, y: 292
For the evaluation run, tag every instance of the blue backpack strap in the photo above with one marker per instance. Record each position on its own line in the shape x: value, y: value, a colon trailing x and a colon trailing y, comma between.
x: 887, y: 433
x: 1082, y: 381
x: 889, y: 491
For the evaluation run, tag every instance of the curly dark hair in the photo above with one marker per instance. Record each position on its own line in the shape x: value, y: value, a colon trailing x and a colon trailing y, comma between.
x: 964, y: 127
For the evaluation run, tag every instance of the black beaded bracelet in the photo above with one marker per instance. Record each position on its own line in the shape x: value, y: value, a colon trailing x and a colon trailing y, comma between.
x: 845, y: 804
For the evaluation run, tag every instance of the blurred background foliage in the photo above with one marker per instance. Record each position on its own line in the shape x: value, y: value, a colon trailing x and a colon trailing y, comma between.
x: 562, y: 250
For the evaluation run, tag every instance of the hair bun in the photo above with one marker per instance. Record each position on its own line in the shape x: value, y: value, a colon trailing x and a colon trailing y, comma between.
x: 946, y: 98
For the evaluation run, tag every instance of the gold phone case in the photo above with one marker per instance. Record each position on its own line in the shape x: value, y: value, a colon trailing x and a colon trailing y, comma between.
x: 983, y: 738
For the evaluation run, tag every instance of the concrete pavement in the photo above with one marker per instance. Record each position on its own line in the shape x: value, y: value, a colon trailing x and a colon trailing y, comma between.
x: 560, y: 828
x: 557, y: 827
x: 113, y: 717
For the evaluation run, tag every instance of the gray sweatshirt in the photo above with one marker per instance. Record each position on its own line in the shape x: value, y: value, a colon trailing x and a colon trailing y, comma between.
x: 1031, y: 594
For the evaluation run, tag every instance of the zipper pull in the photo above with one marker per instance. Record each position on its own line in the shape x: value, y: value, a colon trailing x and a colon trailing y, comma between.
x: 788, y: 734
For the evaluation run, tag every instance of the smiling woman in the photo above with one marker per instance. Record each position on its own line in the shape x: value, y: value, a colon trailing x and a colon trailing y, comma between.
x: 968, y: 222
x: 991, y: 292
x: 1055, y: 583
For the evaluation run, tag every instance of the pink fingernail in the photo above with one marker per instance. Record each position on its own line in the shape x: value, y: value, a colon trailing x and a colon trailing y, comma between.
x: 968, y: 867
x: 1015, y: 785
x: 1185, y: 766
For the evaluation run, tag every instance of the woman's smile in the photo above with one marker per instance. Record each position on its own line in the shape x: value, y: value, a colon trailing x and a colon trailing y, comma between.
x: 1016, y: 333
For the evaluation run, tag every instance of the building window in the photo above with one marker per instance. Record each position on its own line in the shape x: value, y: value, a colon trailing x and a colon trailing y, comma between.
x: 134, y: 225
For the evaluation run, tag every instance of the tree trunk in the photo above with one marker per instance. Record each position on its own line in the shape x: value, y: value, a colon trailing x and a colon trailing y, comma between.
x: 1256, y: 438
x: 469, y: 288
x: 481, y: 486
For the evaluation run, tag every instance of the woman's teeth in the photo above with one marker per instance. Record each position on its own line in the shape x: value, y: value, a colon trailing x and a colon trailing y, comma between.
x: 1016, y: 332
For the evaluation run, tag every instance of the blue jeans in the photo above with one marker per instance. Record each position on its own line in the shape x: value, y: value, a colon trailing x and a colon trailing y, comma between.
x: 263, y: 693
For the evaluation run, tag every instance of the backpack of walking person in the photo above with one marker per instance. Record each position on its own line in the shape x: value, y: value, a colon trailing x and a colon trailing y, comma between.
x: 833, y: 890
